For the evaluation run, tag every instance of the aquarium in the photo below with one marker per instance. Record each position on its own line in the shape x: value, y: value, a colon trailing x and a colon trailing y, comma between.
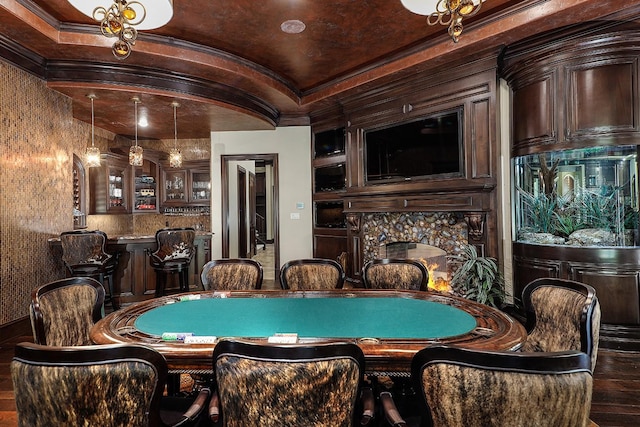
x: 583, y: 197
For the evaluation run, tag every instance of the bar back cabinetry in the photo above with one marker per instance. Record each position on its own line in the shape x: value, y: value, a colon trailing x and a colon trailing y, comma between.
x: 110, y: 186
x: 118, y: 188
x: 145, y: 187
x: 186, y: 186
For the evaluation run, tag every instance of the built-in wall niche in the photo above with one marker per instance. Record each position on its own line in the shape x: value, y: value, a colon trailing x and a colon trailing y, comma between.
x: 425, y: 147
x: 79, y: 195
x: 329, y: 143
x: 330, y: 178
x: 330, y: 215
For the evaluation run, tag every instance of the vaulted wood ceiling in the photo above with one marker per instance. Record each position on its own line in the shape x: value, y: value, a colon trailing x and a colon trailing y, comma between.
x: 230, y: 66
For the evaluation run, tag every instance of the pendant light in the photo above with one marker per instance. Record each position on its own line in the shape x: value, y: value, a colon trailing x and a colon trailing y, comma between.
x: 135, y: 152
x: 175, y: 156
x: 121, y: 19
x: 92, y: 154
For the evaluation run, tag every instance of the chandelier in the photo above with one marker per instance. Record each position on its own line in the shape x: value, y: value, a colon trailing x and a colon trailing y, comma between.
x: 122, y: 19
x: 175, y: 156
x: 135, y: 152
x: 445, y: 12
x: 92, y: 154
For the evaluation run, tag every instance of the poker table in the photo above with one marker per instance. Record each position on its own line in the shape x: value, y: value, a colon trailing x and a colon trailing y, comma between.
x: 389, y: 326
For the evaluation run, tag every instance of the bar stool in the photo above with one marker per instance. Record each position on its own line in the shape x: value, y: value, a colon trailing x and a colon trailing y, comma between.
x: 84, y: 255
x: 173, y: 255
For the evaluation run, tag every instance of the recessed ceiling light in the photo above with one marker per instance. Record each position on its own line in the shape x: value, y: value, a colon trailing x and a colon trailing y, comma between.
x: 292, y: 26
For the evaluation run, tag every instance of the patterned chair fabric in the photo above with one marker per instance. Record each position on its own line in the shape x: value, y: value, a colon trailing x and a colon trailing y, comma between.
x: 311, y: 274
x: 232, y: 274
x: 110, y: 385
x: 175, y: 250
x: 62, y: 312
x: 483, y: 389
x: 274, y: 386
x: 84, y: 248
x: 561, y: 315
x: 174, y: 245
x: 408, y: 274
x: 84, y: 255
x: 89, y: 386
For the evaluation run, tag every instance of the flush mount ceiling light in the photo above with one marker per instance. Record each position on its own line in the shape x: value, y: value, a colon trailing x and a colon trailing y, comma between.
x: 175, y: 156
x: 445, y: 12
x: 92, y: 154
x: 292, y: 26
x: 123, y: 19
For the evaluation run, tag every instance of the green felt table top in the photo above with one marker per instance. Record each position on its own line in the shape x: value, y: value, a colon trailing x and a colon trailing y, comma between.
x: 321, y: 317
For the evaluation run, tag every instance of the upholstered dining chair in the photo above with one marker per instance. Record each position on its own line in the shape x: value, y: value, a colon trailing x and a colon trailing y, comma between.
x: 84, y: 255
x: 561, y: 315
x: 111, y: 385
x: 311, y: 274
x: 290, y: 385
x: 399, y: 273
x: 472, y: 388
x: 175, y: 250
x: 232, y: 274
x: 63, y: 311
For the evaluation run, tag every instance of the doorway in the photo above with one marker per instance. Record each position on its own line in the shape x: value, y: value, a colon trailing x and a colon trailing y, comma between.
x: 263, y: 245
x: 241, y: 192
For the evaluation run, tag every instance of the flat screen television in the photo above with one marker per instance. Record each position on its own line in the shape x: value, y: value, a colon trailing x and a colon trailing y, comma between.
x: 329, y: 142
x: 330, y: 178
x: 429, y: 147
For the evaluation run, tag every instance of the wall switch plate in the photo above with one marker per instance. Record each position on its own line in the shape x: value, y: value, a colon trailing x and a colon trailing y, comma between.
x: 294, y: 215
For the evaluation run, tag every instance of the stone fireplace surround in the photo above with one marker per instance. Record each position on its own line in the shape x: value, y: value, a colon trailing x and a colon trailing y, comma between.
x: 445, y: 230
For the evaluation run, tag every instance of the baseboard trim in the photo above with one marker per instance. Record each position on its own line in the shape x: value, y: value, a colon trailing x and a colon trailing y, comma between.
x: 620, y: 337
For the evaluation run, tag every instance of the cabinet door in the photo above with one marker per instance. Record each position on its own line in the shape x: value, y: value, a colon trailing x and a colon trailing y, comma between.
x: 200, y: 187
x: 145, y: 187
x: 174, y: 184
x: 117, y: 176
x: 110, y: 186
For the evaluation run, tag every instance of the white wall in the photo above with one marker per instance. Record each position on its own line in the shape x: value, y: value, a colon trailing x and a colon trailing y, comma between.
x: 293, y: 146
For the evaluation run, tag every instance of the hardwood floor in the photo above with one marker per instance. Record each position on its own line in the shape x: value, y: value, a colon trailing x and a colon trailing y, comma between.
x: 616, y: 391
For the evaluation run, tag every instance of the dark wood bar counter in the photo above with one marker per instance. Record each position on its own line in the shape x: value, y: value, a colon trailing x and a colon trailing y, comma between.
x: 135, y: 280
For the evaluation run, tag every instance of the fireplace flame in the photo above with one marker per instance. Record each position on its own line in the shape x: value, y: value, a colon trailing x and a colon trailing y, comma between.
x: 439, y: 283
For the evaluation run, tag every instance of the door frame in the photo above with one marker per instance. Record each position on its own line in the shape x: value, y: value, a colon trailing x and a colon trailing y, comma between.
x: 273, y: 159
x: 241, y: 185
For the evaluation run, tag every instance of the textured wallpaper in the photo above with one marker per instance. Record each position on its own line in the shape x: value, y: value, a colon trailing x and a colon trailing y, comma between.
x: 38, y: 139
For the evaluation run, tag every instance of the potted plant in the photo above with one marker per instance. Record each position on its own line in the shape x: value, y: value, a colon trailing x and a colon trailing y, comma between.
x: 478, y: 278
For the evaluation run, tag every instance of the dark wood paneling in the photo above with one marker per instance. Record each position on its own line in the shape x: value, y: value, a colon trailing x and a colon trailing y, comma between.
x: 602, y: 97
x: 613, y: 272
x: 618, y: 291
x: 329, y: 246
x: 566, y: 94
x: 533, y: 112
x: 482, y: 149
x: 527, y: 269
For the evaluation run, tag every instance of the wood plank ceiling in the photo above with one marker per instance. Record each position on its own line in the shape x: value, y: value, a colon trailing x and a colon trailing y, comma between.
x: 231, y: 67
